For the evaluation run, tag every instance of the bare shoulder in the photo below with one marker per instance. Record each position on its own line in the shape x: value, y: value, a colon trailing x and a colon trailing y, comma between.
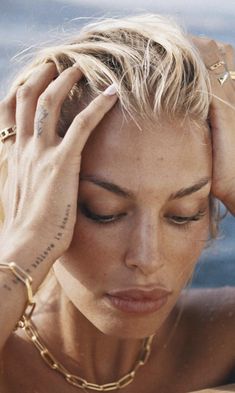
x: 210, y: 305
x: 209, y: 315
x: 203, y: 337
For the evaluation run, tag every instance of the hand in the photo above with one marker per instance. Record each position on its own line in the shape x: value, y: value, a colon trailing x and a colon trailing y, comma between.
x: 222, y: 119
x: 40, y: 194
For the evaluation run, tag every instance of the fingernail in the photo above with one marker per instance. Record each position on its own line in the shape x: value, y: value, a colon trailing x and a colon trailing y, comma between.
x: 111, y: 90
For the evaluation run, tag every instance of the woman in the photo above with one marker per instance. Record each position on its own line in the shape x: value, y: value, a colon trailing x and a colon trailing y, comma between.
x: 110, y: 187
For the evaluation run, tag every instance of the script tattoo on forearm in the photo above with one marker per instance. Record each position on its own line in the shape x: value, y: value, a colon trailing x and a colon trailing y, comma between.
x: 41, y: 116
x: 40, y: 258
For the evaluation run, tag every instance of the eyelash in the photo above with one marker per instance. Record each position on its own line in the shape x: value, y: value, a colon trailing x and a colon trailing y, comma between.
x: 189, y: 220
x: 112, y: 219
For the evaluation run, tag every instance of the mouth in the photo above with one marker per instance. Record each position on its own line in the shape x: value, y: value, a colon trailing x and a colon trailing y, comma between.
x: 138, y: 301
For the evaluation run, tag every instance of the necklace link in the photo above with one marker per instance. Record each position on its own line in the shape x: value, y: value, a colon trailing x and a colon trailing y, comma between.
x: 75, y: 380
x: 124, y: 381
x: 49, y: 358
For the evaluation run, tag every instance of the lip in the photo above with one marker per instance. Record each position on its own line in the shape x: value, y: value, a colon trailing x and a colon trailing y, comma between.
x: 138, y: 300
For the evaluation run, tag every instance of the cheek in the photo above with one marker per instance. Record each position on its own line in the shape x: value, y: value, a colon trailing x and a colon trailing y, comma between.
x: 184, y: 250
x: 96, y: 250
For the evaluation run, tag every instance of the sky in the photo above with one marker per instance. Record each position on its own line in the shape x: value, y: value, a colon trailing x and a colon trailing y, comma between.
x: 25, y: 23
x: 211, y: 13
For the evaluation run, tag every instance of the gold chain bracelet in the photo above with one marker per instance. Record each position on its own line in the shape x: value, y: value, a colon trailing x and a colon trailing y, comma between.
x: 27, y: 281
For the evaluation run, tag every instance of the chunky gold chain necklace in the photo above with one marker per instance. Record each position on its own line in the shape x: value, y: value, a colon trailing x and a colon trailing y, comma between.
x: 32, y: 333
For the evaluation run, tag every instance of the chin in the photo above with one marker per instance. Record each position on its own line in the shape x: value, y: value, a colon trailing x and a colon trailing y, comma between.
x: 126, y: 326
x: 123, y: 323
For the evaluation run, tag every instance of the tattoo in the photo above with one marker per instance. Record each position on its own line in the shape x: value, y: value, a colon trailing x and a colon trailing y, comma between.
x: 64, y: 222
x: 41, y: 115
x: 40, y: 258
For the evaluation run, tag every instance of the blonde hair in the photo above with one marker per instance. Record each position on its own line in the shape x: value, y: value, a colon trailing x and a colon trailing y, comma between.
x: 155, y: 67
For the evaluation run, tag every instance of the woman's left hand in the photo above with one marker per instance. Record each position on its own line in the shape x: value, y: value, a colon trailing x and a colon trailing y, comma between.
x: 221, y: 116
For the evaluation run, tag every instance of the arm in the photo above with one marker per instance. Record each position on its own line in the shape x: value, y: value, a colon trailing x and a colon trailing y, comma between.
x: 40, y: 194
x: 221, y: 117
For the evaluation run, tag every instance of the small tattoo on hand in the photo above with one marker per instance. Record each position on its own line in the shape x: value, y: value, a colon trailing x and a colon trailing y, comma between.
x: 42, y: 115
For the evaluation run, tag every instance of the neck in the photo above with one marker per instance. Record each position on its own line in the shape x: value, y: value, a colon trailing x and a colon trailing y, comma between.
x: 79, y: 346
x: 96, y: 353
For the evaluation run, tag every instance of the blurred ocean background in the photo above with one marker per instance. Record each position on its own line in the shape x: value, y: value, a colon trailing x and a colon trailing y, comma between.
x: 25, y: 24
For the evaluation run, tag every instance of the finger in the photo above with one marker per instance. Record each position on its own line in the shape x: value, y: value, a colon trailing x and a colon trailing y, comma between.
x: 49, y: 106
x: 228, y: 54
x: 10, y: 101
x: 85, y: 122
x: 27, y: 97
x: 7, y: 114
x: 222, y: 84
x: 208, y: 50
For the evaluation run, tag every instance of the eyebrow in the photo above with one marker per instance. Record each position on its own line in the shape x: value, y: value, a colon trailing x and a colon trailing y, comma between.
x: 191, y: 189
x: 124, y: 192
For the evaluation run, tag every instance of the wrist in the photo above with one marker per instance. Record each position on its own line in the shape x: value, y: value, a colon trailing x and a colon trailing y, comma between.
x: 25, y: 250
x: 13, y: 245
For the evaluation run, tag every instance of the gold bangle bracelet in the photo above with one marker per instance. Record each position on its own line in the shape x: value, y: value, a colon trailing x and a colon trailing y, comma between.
x: 27, y: 281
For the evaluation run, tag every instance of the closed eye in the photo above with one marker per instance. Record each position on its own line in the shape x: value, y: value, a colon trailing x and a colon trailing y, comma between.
x: 103, y: 219
x: 185, y: 222
x: 180, y: 221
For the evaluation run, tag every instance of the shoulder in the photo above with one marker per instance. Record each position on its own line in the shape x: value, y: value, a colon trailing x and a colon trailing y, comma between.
x: 199, y: 346
x: 212, y: 306
x: 208, y: 323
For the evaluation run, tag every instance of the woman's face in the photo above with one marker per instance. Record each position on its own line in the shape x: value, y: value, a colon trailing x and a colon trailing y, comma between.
x: 136, y: 188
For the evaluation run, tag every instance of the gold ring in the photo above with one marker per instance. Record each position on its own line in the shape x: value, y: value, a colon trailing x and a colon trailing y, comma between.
x: 7, y: 132
x: 218, y: 64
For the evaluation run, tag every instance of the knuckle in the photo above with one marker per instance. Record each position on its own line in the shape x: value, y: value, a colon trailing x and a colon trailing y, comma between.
x: 46, y: 99
x: 24, y: 92
x: 82, y: 121
x: 213, y: 44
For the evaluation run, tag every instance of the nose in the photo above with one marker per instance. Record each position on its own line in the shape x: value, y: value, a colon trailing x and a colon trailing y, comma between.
x: 144, y: 247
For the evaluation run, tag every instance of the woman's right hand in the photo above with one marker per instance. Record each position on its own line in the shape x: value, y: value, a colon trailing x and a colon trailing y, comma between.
x: 40, y: 195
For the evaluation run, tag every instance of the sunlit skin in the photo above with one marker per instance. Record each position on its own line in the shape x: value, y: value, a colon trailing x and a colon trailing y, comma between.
x: 145, y: 182
x: 146, y: 246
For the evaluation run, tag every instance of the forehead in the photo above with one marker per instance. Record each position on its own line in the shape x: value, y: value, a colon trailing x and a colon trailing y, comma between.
x: 148, y: 156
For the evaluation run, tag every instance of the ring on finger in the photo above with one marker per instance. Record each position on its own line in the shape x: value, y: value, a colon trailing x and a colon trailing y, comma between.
x: 222, y: 78
x: 7, y: 133
x: 217, y: 65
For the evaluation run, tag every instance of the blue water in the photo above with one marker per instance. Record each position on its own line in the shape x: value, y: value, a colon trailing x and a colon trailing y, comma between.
x: 25, y: 23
